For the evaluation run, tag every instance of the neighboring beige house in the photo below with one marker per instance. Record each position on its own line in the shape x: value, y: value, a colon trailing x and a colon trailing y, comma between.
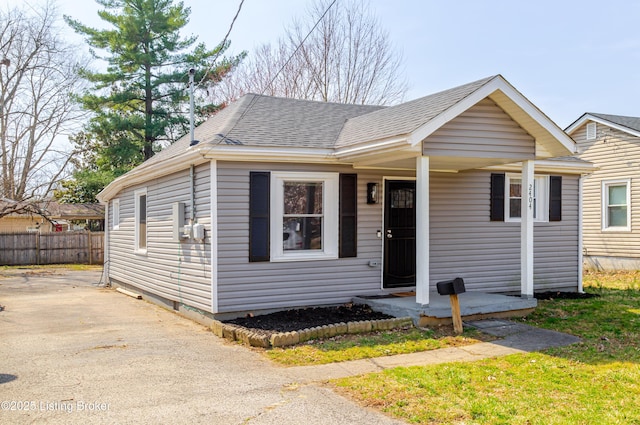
x: 283, y: 203
x: 59, y: 218
x: 611, y: 194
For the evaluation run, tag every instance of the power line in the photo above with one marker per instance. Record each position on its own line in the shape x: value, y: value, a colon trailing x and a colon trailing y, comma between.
x: 255, y: 98
x: 224, y: 41
x: 298, y: 47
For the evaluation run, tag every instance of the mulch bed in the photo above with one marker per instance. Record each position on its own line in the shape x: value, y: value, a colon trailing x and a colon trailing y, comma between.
x: 557, y: 295
x: 293, y: 320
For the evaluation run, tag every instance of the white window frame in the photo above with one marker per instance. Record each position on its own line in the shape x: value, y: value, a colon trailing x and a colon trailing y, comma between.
x: 605, y: 205
x: 115, y: 207
x: 136, y: 196
x: 541, y: 212
x: 330, y: 193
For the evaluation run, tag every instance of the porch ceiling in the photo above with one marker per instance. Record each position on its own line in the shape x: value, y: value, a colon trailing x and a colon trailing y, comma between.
x: 436, y: 163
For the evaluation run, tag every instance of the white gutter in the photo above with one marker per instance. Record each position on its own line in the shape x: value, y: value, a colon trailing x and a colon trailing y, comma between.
x: 372, y: 147
x: 141, y: 175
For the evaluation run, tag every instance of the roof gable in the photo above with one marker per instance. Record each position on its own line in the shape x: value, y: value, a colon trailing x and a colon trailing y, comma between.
x: 404, y: 118
x: 417, y: 119
x: 627, y: 124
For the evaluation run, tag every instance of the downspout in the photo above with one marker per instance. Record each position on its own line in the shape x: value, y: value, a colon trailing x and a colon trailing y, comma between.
x: 192, y: 179
x: 192, y: 140
x: 105, y: 260
x: 580, y: 243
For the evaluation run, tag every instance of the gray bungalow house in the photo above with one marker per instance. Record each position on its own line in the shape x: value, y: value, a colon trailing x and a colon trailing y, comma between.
x: 611, y: 231
x: 283, y: 203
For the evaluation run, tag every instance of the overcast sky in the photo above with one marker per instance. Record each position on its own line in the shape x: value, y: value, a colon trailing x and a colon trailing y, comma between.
x: 567, y: 57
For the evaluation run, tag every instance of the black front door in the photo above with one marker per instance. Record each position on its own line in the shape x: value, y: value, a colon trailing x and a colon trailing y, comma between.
x: 399, y: 234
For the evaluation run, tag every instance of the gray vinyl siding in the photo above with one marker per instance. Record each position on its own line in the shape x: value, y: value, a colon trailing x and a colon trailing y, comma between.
x: 616, y: 155
x: 463, y: 243
x: 486, y: 254
x: 177, y: 271
x: 246, y: 286
x: 483, y: 131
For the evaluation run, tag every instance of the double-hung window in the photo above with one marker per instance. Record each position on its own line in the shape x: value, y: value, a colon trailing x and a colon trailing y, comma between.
x: 140, y: 197
x: 304, y: 216
x: 616, y: 201
x: 516, y: 196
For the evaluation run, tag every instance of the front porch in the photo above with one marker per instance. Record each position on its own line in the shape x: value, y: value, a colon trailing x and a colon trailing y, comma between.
x: 473, y: 306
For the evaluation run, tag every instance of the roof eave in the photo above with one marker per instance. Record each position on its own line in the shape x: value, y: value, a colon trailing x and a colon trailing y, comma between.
x: 141, y: 175
x: 588, y: 117
x: 269, y: 153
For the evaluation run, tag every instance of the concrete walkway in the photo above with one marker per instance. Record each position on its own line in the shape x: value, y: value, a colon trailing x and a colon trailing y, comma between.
x: 517, y: 338
x: 74, y: 353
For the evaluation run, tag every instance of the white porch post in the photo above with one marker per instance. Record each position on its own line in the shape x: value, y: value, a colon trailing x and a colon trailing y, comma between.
x: 526, y: 242
x: 422, y: 230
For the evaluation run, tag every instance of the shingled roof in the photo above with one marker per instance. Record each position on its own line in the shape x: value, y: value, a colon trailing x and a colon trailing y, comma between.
x: 405, y: 117
x: 266, y: 121
x: 632, y: 123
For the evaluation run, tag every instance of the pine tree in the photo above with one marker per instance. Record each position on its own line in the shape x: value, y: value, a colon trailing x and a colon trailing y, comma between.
x: 140, y: 102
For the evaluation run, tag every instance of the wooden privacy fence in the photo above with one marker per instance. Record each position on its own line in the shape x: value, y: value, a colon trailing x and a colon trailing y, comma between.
x: 83, y: 247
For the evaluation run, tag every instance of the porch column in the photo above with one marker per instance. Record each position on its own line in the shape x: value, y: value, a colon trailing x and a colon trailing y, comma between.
x: 526, y: 241
x: 422, y: 230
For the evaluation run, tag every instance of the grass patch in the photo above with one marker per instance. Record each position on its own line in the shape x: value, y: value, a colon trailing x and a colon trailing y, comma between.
x: 374, y: 344
x: 594, y: 382
x: 518, y: 389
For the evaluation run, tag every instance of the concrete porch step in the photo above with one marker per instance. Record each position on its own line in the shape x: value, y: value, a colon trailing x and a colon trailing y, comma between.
x: 473, y: 306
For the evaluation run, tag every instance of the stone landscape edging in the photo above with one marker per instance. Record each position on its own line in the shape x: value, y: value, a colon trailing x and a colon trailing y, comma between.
x: 283, y: 339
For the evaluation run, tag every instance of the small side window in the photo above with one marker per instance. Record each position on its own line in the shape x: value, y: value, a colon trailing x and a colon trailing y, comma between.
x: 141, y: 221
x: 115, y: 206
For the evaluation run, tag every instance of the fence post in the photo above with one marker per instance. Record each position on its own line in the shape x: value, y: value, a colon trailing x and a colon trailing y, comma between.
x: 38, y: 247
x: 90, y: 245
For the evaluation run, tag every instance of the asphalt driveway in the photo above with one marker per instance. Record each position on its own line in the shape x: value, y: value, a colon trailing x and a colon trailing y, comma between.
x: 72, y: 352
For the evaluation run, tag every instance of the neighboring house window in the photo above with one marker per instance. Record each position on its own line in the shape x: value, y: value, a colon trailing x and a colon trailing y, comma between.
x: 616, y: 211
x: 304, y: 216
x: 591, y: 131
x: 515, y: 195
x: 141, y: 220
x: 115, y: 205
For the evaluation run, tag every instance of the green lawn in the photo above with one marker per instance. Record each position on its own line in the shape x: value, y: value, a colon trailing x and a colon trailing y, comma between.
x: 376, y: 344
x: 594, y: 382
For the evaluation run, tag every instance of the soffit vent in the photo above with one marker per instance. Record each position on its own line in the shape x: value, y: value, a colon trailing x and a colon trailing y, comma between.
x: 591, y: 131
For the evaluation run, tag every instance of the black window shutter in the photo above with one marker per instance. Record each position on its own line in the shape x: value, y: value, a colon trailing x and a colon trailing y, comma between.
x: 497, y: 197
x: 259, y: 198
x: 348, y: 216
x: 555, y: 198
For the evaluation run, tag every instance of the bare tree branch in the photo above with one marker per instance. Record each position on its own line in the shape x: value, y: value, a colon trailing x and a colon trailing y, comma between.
x: 38, y: 78
x: 347, y: 58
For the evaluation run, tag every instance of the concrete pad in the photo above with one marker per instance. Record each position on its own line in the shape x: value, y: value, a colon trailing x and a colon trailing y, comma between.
x: 67, y: 344
x: 500, y: 328
x: 472, y: 304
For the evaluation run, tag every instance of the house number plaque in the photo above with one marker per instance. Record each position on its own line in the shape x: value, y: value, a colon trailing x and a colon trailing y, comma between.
x: 530, y: 195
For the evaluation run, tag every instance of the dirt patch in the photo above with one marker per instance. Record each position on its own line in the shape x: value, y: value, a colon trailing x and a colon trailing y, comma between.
x: 293, y: 320
x: 557, y: 295
x: 7, y: 272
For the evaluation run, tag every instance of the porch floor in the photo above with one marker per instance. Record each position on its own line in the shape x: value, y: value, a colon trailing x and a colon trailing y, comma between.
x: 473, y: 306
